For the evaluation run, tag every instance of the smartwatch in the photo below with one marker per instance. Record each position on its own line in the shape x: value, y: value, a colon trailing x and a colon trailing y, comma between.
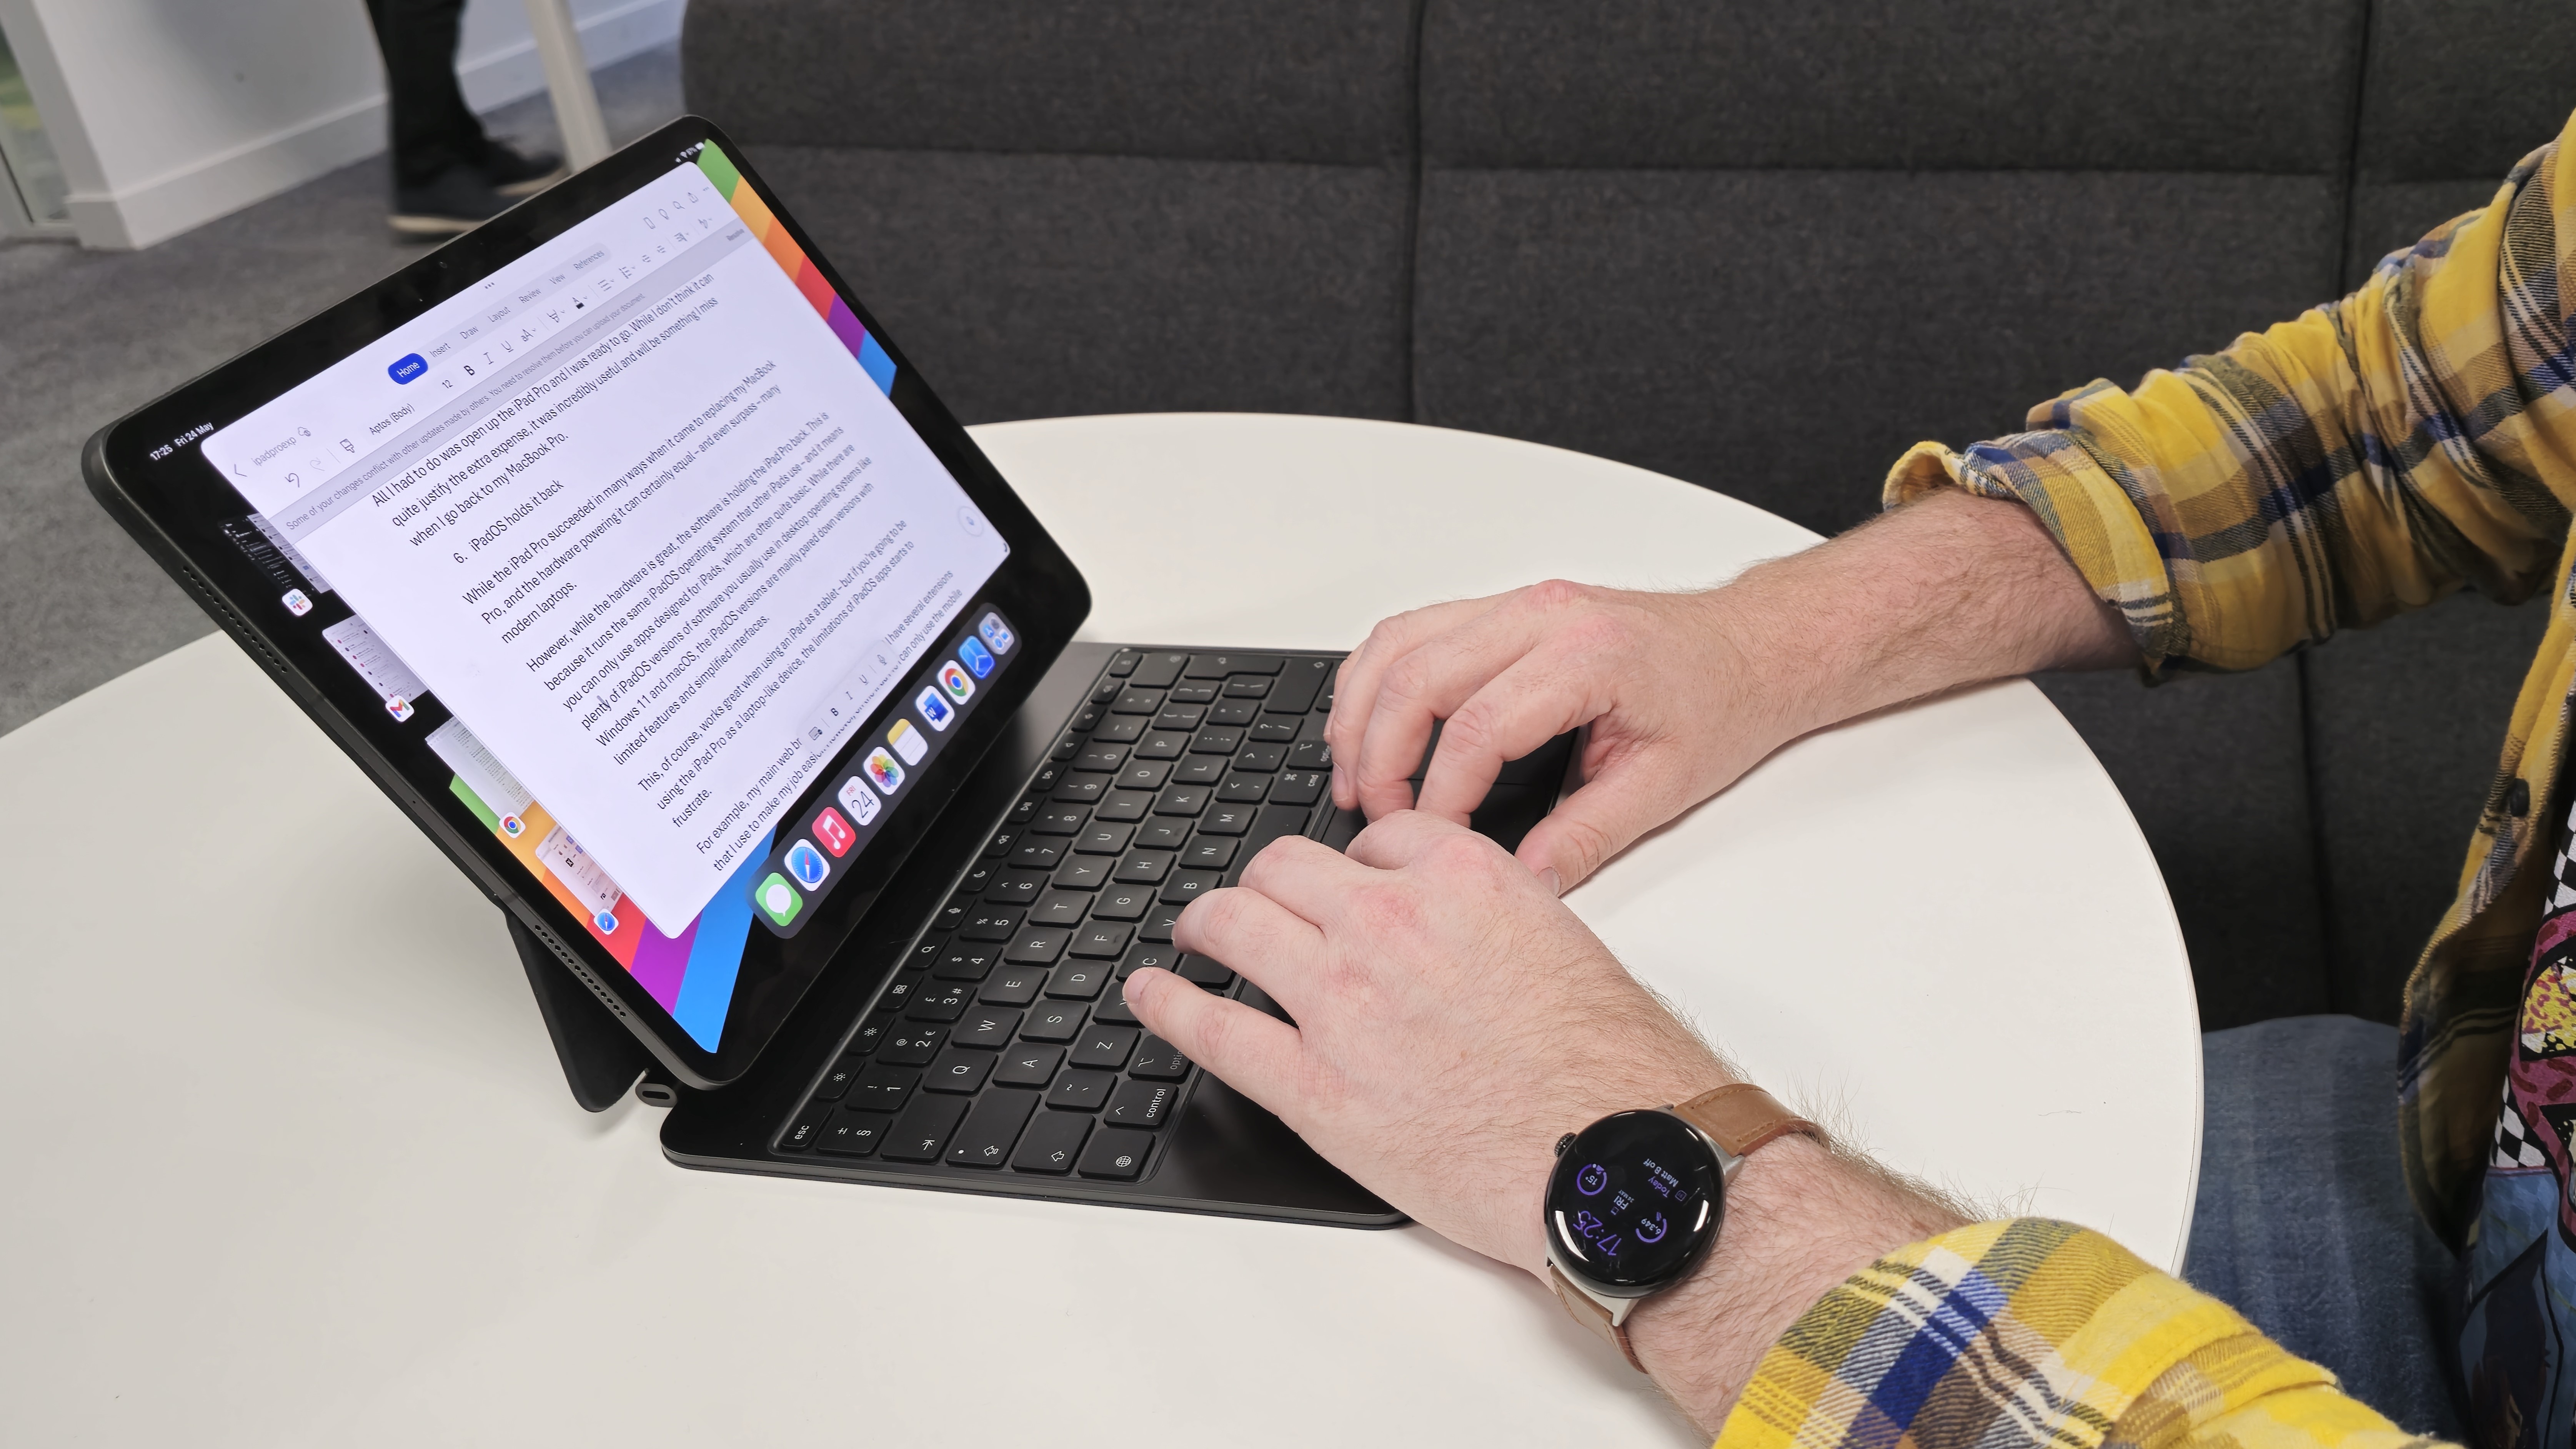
x: 1637, y: 1198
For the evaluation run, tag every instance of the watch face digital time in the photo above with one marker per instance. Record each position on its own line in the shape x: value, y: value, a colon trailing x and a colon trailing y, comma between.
x: 1634, y: 1203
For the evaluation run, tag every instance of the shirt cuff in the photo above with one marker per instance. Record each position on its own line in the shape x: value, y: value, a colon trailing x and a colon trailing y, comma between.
x: 2040, y: 1333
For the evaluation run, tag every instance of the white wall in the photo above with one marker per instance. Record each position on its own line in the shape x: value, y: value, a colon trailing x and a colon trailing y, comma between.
x: 170, y: 113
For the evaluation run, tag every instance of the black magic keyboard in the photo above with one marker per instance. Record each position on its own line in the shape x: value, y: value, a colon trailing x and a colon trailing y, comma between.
x: 1004, y: 1045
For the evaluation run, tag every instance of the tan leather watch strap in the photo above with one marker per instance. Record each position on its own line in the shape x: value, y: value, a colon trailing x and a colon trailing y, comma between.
x: 1592, y: 1316
x: 1741, y: 1117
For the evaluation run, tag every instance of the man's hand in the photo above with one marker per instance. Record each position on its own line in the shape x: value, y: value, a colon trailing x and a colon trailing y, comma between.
x: 1684, y: 692
x: 1452, y: 1021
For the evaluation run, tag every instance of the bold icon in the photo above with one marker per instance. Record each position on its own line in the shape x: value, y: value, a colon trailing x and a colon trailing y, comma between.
x: 861, y: 805
x: 883, y: 771
x: 513, y: 827
x: 777, y: 899
x: 606, y: 922
x: 296, y: 603
x: 807, y: 864
x: 934, y: 710
x: 997, y: 633
x: 1591, y: 1180
x: 1651, y: 1228
x: 398, y: 707
x: 977, y: 657
x: 407, y: 367
x: 954, y: 680
x: 834, y: 832
x: 907, y: 741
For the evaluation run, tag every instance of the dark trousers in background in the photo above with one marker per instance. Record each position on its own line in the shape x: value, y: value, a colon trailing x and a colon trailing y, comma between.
x: 433, y: 128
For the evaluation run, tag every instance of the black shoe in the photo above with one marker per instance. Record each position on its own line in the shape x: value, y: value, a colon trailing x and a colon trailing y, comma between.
x: 513, y: 173
x: 458, y: 200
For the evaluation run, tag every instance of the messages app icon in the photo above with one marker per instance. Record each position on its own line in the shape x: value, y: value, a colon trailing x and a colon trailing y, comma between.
x: 777, y: 899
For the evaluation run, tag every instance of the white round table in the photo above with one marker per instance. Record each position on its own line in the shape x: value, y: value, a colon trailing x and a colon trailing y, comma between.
x: 289, y: 1160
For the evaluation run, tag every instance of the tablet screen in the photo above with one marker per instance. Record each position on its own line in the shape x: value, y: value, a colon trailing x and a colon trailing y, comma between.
x: 637, y: 510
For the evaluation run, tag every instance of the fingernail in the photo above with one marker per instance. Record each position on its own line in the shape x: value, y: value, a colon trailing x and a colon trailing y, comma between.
x: 1548, y: 877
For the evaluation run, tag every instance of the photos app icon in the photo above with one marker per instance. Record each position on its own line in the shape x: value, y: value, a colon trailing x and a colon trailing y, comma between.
x: 883, y: 772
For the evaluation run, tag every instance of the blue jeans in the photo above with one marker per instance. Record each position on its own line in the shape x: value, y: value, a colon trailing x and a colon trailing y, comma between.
x: 2303, y: 1224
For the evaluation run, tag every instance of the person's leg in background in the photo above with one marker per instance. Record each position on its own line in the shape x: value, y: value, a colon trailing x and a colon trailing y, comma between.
x: 2303, y: 1224
x: 448, y: 175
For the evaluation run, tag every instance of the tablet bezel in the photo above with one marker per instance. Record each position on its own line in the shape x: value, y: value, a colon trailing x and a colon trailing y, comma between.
x: 166, y: 504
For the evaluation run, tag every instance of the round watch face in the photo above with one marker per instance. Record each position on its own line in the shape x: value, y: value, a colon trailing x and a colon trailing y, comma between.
x: 1634, y: 1203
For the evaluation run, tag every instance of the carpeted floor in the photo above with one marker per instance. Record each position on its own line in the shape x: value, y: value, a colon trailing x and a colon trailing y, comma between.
x: 87, y: 336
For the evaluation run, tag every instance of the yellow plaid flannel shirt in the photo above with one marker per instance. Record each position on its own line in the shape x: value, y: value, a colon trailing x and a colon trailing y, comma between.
x: 2367, y: 458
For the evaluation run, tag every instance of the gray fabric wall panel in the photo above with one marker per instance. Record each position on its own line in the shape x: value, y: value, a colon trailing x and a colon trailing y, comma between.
x: 2214, y: 768
x: 2458, y: 89
x: 1038, y: 286
x: 2131, y: 85
x: 1782, y: 336
x: 1322, y: 81
x: 2407, y: 719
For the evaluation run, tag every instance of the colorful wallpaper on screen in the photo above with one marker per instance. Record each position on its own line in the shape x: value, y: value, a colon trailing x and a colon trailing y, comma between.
x: 792, y: 260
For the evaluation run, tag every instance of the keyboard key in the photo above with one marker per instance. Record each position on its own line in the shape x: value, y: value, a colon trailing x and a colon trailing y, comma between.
x: 1192, y: 694
x: 870, y: 1035
x: 1162, y: 834
x: 911, y: 1045
x: 1037, y: 853
x: 1180, y: 717
x: 1052, y: 1142
x: 1065, y: 749
x: 881, y: 1088
x: 1055, y: 1022
x: 1310, y: 755
x: 1242, y: 688
x: 1200, y: 971
x: 1121, y: 730
x: 1145, y: 867
x: 1001, y: 843
x: 941, y: 1001
x: 1100, y: 941
x: 1157, y: 671
x: 1078, y: 980
x: 1112, y: 1008
x: 1116, y: 1153
x: 927, y: 955
x: 1105, y: 840
x: 1139, y: 1104
x: 1186, y: 886
x: 1223, y: 820
x: 1081, y: 1091
x: 808, y: 1126
x: 1123, y: 903
x: 1106, y: 690
x: 1298, y: 684
x: 953, y: 914
x: 1218, y: 666
x: 1059, y: 820
x: 1233, y: 712
x: 1023, y: 812
x: 1298, y: 787
x: 1124, y: 806
x: 1144, y: 954
x: 837, y: 1081
x: 985, y: 1140
x: 1043, y: 781
x: 1105, y: 1047
x: 1082, y: 789
x: 978, y: 876
x: 996, y: 922
x: 854, y: 1134
x: 1100, y: 759
x: 1181, y: 800
x: 1243, y: 789
x: 1158, y: 923
x: 1199, y: 770
x: 900, y: 990
x: 1132, y: 700
x: 958, y: 1070
x: 923, y: 1129
x: 1123, y: 663
x: 1274, y: 732
x: 1157, y: 1060
x: 1082, y: 873
x: 988, y: 1027
x: 1209, y: 852
x: 1275, y: 820
x: 1163, y: 745
x: 1013, y: 986
x: 1144, y: 775
x: 971, y: 961
x: 1084, y: 718
x: 1026, y: 1065
x: 1059, y: 908
x: 1261, y: 759
x: 1216, y: 742
x: 1037, y: 946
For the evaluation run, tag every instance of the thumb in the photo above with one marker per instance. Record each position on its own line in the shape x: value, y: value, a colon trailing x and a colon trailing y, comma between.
x: 1595, y: 823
